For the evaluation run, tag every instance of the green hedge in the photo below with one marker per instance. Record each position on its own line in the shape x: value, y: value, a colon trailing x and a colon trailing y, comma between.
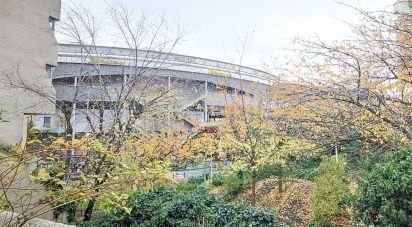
x: 384, y: 196
x: 168, y: 207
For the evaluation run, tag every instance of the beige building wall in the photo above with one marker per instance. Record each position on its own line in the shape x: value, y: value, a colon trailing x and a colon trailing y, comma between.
x: 27, y: 46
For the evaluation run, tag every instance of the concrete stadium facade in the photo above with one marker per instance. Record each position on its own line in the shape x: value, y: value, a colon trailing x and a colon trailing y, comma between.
x: 205, y: 86
x: 403, y: 7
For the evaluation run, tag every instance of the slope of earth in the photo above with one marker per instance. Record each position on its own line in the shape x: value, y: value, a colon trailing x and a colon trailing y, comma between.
x: 292, y: 205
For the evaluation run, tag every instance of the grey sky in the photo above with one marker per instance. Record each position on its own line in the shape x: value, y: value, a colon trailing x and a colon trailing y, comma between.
x: 213, y: 26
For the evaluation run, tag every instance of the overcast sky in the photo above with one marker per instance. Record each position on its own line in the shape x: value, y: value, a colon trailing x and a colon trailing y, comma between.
x: 213, y: 26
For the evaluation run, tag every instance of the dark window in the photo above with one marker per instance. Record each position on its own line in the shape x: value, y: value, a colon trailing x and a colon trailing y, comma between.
x: 52, y: 23
x: 50, y: 70
x: 46, y: 122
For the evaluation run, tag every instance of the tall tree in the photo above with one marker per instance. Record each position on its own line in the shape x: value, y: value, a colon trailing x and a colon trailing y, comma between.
x: 249, y: 137
x: 357, y: 88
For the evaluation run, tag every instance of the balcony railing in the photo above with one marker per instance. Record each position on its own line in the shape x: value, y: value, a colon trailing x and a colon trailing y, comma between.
x: 128, y: 57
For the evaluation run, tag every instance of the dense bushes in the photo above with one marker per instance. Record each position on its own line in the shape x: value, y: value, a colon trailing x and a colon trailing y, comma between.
x: 196, y: 180
x: 6, y: 148
x: 331, y: 188
x: 267, y: 171
x: 232, y: 184
x: 304, y: 169
x: 191, y: 184
x: 384, y: 197
x: 168, y: 207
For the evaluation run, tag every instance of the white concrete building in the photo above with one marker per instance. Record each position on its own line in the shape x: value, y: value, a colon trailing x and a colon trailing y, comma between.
x: 403, y: 7
x: 28, y: 50
x: 199, y: 82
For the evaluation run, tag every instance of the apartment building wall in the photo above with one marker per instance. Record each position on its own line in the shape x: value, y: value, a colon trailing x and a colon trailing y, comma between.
x: 28, y: 49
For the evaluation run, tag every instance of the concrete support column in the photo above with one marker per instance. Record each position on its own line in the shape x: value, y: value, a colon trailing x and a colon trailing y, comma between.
x: 74, y: 111
x: 169, y: 84
x: 124, y: 80
x: 88, y: 101
x: 206, y: 114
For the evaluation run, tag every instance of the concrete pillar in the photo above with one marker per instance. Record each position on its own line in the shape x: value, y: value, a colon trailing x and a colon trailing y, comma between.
x: 74, y: 112
x: 205, y: 104
x: 169, y: 84
x: 124, y: 80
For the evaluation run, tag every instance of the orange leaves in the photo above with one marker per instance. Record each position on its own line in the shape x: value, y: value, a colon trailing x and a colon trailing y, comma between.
x: 177, y: 144
x: 252, y: 135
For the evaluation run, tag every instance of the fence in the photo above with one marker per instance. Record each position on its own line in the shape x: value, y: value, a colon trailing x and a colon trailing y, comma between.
x: 205, y: 169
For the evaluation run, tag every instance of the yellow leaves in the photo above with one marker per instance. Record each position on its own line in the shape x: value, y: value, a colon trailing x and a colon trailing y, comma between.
x: 18, y: 149
x: 89, y: 143
x: 252, y: 136
x: 111, y: 202
x: 59, y: 143
x: 138, y: 161
x: 293, y: 205
x: 60, y: 174
x: 43, y: 174
x: 127, y: 209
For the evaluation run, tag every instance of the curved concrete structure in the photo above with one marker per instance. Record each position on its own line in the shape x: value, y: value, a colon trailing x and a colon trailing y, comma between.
x: 403, y: 7
x: 205, y: 86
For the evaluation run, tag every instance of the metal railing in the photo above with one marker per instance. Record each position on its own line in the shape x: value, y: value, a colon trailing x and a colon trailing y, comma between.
x: 207, y: 169
x: 69, y: 53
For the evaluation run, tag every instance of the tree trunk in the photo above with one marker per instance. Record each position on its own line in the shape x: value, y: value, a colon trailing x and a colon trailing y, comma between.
x: 89, y: 210
x: 69, y: 128
x: 67, y: 113
x: 254, y: 176
x: 101, y: 117
x: 280, y: 179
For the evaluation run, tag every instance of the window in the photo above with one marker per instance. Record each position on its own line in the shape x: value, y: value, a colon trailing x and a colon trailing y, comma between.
x: 46, y: 122
x: 50, y: 70
x: 52, y: 23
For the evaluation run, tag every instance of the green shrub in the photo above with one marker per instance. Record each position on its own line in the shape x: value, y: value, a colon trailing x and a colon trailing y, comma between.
x: 188, y: 187
x: 331, y: 188
x: 304, y: 169
x: 266, y: 171
x: 232, y: 184
x: 384, y: 197
x: 196, y: 180
x: 217, y: 180
x: 167, y: 207
x: 6, y: 148
x: 191, y: 184
x: 235, y: 183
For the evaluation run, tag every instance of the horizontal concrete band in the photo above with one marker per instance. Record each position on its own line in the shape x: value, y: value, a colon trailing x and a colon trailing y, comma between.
x: 124, y: 57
